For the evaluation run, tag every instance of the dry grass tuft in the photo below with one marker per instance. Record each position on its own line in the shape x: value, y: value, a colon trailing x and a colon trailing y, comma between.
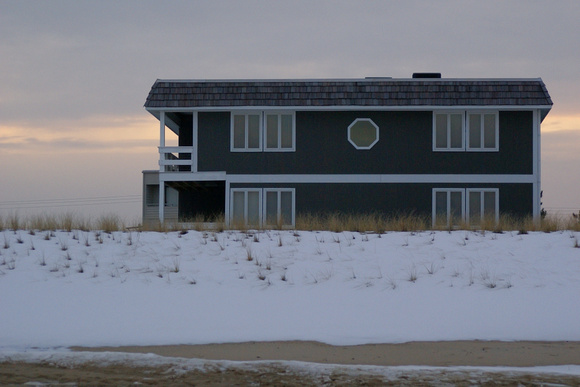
x: 335, y: 222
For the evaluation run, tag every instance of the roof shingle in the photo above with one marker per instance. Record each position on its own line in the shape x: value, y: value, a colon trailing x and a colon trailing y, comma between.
x: 356, y: 93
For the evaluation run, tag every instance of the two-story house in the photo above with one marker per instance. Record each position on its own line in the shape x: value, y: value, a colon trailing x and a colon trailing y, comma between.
x: 262, y: 151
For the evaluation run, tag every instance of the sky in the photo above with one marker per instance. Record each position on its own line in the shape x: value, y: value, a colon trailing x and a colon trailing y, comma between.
x: 74, y: 76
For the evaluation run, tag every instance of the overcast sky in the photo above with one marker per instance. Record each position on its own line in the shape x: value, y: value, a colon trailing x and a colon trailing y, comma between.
x: 74, y: 76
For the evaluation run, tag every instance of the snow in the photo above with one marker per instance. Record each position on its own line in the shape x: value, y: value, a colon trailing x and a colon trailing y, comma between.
x: 64, y: 289
x: 66, y: 359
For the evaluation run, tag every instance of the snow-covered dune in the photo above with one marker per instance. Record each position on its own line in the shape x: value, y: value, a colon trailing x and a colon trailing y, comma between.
x: 143, y: 288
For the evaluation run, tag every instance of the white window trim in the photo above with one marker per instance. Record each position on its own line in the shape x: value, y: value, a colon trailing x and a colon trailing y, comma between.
x: 279, y: 209
x: 482, y: 149
x: 482, y: 203
x: 246, y: 191
x: 464, y: 202
x: 465, y: 131
x: 246, y: 114
x: 448, y: 192
x: 376, y: 130
x: 262, y: 131
x: 261, y: 205
x: 434, y: 129
x: 265, y: 131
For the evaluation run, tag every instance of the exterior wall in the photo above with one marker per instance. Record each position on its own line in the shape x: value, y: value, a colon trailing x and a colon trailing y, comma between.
x: 514, y: 199
x: 404, y: 146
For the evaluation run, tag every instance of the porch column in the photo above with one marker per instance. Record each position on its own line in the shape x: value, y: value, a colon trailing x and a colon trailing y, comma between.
x: 194, y: 143
x: 161, y: 168
x: 161, y: 201
x: 537, y: 164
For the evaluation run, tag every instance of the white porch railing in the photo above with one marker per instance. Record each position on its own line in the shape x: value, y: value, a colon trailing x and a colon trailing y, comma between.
x: 176, y: 159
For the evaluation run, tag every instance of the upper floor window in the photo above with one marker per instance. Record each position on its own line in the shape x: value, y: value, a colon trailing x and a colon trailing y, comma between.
x: 246, y: 132
x: 448, y: 131
x: 465, y: 131
x: 262, y: 131
x: 363, y: 133
x: 279, y: 131
x: 482, y: 131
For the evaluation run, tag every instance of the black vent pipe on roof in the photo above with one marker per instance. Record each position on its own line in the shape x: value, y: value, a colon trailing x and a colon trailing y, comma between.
x: 426, y: 75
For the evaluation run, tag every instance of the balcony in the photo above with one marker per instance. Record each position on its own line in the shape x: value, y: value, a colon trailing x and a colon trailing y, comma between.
x: 176, y: 159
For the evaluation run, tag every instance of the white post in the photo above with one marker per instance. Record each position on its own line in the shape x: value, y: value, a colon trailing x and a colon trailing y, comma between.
x: 162, y: 129
x: 537, y: 166
x: 227, y: 209
x: 161, y: 201
x: 161, y: 168
x: 194, y: 143
x: 161, y: 140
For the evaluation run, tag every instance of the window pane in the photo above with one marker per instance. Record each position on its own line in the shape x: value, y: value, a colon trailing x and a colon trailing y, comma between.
x: 456, y: 130
x: 253, y: 208
x: 152, y: 192
x: 489, y: 130
x: 239, y: 131
x: 363, y: 134
x: 287, y: 131
x: 441, y: 130
x: 475, y: 208
x: 238, y: 210
x: 271, y: 208
x: 286, y: 207
x: 489, y: 204
x: 440, y: 208
x: 253, y: 131
x: 475, y: 130
x: 271, y: 131
x: 456, y: 207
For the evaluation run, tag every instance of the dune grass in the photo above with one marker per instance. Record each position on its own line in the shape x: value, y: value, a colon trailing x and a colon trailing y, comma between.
x: 335, y: 222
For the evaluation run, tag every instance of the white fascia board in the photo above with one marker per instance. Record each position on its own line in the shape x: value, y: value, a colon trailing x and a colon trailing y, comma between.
x: 377, y: 179
x: 187, y: 176
x: 354, y: 108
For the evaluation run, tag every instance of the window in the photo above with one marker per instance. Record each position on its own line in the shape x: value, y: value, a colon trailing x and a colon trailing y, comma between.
x: 482, y: 132
x: 279, y: 207
x: 363, y: 133
x: 448, y: 132
x: 482, y: 205
x: 262, y: 131
x: 461, y: 131
x: 152, y: 195
x: 269, y: 206
x: 279, y: 131
x: 451, y: 206
x: 448, y: 206
x: 246, y: 206
x: 246, y: 132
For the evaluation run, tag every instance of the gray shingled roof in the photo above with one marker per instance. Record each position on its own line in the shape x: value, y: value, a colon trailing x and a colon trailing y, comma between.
x: 358, y: 93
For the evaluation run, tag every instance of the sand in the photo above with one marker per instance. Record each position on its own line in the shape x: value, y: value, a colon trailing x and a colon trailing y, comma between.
x: 442, y: 353
x: 447, y: 353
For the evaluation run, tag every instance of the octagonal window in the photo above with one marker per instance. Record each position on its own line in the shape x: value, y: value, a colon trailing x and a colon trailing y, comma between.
x: 363, y: 133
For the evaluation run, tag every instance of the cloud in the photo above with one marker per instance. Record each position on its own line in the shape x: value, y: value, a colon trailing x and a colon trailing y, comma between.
x: 77, y: 59
x: 96, y: 134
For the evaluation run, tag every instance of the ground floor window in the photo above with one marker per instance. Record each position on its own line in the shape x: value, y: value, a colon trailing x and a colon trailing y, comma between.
x: 274, y: 207
x: 452, y: 206
x: 482, y: 204
x: 152, y: 196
